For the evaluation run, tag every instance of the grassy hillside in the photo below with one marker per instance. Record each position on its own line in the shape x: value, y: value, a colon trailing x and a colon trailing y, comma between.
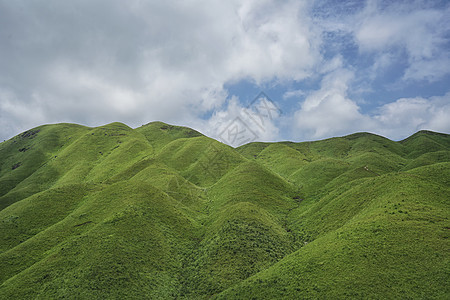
x: 163, y: 212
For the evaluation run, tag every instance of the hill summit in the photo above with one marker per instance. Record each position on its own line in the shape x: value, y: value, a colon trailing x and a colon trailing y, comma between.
x: 163, y: 211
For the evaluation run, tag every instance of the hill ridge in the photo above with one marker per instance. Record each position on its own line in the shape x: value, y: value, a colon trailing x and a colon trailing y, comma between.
x: 162, y: 211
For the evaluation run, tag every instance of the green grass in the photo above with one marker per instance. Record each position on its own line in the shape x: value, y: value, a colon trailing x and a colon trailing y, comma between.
x: 160, y: 134
x: 379, y: 239
x: 163, y: 212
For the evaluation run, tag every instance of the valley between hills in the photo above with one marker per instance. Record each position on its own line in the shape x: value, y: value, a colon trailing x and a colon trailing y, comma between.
x: 164, y: 212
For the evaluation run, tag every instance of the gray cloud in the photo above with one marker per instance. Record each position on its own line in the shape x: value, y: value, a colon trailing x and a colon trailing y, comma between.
x: 136, y: 61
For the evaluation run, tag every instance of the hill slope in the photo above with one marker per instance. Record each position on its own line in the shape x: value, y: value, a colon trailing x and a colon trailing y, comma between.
x: 162, y: 211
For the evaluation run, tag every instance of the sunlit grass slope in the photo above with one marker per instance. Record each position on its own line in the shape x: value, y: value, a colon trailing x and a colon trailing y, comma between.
x: 163, y: 212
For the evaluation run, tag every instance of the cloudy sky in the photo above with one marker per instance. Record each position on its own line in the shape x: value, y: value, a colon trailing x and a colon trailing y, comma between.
x: 326, y: 67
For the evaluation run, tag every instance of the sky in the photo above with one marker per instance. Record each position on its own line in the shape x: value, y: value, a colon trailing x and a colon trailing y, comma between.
x: 237, y: 71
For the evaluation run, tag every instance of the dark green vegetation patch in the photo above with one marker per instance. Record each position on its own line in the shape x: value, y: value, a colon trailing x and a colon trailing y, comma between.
x: 164, y: 212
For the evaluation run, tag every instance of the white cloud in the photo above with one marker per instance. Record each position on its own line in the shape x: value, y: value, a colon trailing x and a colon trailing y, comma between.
x: 99, y: 61
x: 294, y: 93
x: 415, y: 33
x: 328, y: 111
x: 236, y: 125
x: 405, y: 116
x: 428, y: 69
x: 420, y: 31
x: 276, y: 40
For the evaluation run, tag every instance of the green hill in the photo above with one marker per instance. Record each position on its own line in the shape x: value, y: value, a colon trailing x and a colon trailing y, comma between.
x: 163, y: 212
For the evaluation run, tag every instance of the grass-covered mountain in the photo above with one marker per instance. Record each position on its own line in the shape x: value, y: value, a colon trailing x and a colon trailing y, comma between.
x: 164, y: 212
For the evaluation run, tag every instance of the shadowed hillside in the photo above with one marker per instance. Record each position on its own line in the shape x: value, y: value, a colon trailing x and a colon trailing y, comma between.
x: 162, y: 211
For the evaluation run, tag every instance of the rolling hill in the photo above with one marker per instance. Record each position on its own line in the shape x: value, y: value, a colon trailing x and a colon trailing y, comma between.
x: 164, y: 212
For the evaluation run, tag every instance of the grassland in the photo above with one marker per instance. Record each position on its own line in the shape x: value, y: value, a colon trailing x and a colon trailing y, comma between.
x: 163, y: 212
